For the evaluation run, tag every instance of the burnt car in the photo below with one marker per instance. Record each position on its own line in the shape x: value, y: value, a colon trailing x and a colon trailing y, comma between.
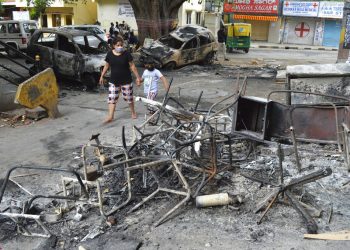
x: 71, y: 53
x: 185, y: 45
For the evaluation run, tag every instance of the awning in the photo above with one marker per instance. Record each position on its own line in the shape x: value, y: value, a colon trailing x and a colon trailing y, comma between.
x: 259, y: 18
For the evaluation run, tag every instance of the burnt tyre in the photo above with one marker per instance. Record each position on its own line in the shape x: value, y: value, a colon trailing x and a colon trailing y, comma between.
x: 170, y: 66
x: 209, y: 59
x: 246, y: 50
x: 90, y: 81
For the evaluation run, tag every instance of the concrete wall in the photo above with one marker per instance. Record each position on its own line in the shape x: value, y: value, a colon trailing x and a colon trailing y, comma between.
x: 212, y: 22
x: 330, y: 79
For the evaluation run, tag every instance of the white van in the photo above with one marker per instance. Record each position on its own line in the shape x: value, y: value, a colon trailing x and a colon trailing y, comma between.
x: 16, y: 33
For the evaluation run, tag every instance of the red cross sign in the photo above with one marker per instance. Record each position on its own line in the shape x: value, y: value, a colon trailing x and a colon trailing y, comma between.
x: 302, y: 29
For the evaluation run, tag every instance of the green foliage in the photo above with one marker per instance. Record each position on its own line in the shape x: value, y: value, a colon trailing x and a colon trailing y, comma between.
x: 39, y: 7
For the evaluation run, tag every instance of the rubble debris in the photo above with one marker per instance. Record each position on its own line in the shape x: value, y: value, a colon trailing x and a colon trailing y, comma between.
x: 221, y: 199
x: 189, y: 152
x: 341, y: 235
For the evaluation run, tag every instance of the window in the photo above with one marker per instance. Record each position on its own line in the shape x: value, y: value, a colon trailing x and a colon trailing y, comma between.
x: 56, y: 20
x: 198, y: 17
x: 29, y: 27
x: 203, y: 40
x: 46, y: 39
x: 188, y: 17
x: 44, y: 21
x: 191, y: 44
x: 2, y: 28
x: 13, y: 28
x: 65, y: 44
x: 171, y: 42
x: 69, y: 20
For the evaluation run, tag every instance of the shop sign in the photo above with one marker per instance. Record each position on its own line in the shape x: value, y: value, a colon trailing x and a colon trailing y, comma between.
x: 308, y: 9
x: 252, y: 6
x: 331, y: 9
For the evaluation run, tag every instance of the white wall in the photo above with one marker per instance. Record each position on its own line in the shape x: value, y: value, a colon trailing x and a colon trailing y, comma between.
x: 107, y: 12
x: 212, y: 22
x: 192, y: 7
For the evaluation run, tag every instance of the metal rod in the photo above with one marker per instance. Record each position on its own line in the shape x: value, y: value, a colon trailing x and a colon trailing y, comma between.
x: 292, y: 133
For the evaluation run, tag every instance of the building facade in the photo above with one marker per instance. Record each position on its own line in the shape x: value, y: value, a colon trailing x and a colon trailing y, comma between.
x: 261, y: 14
x: 312, y: 23
x: 60, y: 13
x: 191, y: 12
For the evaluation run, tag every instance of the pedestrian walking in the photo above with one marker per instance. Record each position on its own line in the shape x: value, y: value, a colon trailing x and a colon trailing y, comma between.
x: 222, y: 42
x: 150, y: 78
x: 121, y: 63
x: 111, y: 30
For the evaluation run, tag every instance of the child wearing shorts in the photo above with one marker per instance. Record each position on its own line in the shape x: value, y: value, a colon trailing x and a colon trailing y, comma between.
x: 150, y: 79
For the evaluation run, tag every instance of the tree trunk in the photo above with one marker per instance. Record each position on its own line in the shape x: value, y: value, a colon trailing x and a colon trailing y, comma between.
x: 155, y: 18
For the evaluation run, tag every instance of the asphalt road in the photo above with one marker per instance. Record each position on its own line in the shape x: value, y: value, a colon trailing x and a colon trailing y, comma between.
x: 282, y: 57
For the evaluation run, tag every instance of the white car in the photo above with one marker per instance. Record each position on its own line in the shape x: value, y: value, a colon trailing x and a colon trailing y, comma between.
x: 95, y: 29
x: 17, y: 34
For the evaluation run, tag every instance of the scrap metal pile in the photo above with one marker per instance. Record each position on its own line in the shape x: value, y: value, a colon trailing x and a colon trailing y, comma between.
x: 178, y: 151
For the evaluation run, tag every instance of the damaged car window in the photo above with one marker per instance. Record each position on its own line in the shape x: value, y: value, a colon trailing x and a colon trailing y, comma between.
x: 171, y: 42
x: 65, y: 44
x: 191, y: 44
x: 204, y: 40
x: 46, y: 39
x: 90, y: 44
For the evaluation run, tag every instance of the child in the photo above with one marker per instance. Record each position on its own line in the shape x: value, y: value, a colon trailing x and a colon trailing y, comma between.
x: 150, y: 78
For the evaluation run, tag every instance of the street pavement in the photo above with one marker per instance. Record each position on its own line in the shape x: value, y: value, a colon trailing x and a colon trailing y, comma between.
x: 265, y: 45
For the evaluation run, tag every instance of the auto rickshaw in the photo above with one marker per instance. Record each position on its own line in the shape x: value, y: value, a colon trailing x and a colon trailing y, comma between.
x: 238, y: 36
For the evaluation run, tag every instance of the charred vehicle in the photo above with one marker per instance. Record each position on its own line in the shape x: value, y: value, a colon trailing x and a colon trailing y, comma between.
x: 70, y: 53
x: 185, y: 45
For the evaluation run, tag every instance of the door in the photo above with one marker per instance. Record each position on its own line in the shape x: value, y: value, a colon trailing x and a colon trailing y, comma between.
x: 43, y: 46
x: 3, y: 32
x: 189, y: 52
x: 65, y: 57
x: 331, y: 35
x: 300, y: 31
x: 259, y: 30
x: 14, y: 35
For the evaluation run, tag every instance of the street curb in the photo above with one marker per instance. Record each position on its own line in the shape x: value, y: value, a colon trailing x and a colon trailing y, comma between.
x: 293, y: 47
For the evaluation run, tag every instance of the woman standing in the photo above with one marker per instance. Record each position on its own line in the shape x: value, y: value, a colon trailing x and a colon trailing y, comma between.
x: 121, y: 63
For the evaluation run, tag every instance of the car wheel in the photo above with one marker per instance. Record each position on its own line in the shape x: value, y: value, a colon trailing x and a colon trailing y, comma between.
x: 10, y: 52
x: 246, y: 50
x: 90, y: 81
x: 170, y: 66
x: 209, y: 59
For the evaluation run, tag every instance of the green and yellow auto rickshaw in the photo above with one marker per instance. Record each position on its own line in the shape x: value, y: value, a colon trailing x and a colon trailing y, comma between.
x: 238, y: 36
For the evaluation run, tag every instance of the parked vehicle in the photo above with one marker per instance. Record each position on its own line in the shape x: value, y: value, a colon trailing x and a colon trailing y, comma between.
x: 95, y: 29
x: 185, y: 45
x: 238, y: 36
x: 16, y: 34
x: 69, y: 53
